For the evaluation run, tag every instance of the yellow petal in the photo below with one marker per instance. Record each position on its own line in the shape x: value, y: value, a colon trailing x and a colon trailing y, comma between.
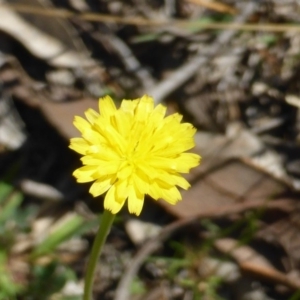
x: 180, y: 181
x: 186, y: 161
x: 141, y: 182
x: 144, y: 108
x: 110, y: 134
x: 125, y: 172
x: 173, y: 119
x: 135, y: 201
x: 163, y: 163
x: 158, y: 113
x: 171, y: 195
x: 155, y: 191
x: 92, y: 136
x: 110, y: 202
x: 107, y: 168
x: 100, y: 186
x: 172, y: 149
x: 79, y: 145
x: 104, y: 152
x: 91, y: 115
x: 85, y: 174
x: 92, y: 160
x: 81, y: 124
x: 147, y: 170
x: 129, y: 106
x: 122, y: 122
x: 121, y: 189
x: 107, y: 106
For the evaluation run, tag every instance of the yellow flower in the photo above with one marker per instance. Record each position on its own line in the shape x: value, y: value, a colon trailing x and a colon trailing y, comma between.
x: 133, y: 151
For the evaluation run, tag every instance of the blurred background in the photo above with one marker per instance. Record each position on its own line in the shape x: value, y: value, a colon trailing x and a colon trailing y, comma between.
x: 231, y: 68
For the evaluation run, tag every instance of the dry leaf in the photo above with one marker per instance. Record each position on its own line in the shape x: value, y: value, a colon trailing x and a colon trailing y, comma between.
x: 55, y: 51
x: 253, y: 262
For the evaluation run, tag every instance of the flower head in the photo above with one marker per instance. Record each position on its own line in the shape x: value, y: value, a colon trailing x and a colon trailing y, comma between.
x: 133, y: 151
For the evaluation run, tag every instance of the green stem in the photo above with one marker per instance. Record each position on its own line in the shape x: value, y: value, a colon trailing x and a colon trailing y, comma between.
x: 107, y: 219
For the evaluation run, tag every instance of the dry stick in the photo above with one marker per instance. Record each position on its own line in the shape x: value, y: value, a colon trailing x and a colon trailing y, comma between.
x: 138, y: 21
x: 215, y: 5
x: 122, y: 291
x: 181, y: 75
x: 130, y: 61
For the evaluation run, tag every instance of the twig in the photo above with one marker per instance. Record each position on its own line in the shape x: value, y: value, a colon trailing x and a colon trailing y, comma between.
x: 122, y: 292
x: 40, y: 190
x: 215, y: 5
x: 103, y: 18
x: 184, y: 73
x: 131, y: 63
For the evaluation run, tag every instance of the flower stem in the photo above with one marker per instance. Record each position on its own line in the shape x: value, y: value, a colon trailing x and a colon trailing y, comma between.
x: 107, y: 219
